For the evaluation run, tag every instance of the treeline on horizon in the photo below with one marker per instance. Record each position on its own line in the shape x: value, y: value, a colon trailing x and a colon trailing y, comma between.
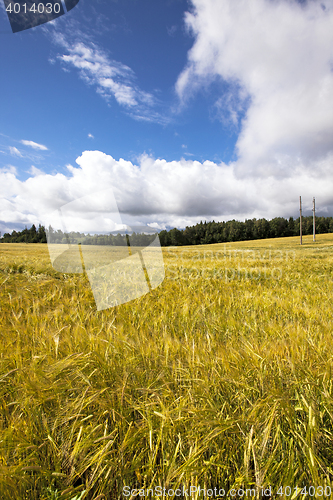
x: 206, y: 233
x: 31, y: 235
x: 34, y: 235
x: 203, y: 233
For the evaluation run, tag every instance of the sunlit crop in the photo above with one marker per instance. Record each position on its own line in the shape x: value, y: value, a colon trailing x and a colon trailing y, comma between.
x: 221, y: 376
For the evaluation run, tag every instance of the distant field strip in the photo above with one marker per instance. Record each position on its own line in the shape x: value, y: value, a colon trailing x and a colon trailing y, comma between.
x: 219, y: 377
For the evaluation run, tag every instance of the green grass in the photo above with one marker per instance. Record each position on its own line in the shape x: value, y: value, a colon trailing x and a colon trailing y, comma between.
x: 222, y: 376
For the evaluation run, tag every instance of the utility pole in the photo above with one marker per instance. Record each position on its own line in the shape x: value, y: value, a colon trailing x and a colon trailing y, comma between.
x: 314, y: 219
x: 300, y: 217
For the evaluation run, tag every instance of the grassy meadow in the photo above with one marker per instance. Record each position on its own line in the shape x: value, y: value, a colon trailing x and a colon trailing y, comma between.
x: 220, y: 377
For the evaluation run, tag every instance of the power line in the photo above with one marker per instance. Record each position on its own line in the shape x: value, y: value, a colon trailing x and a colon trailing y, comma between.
x: 314, y: 219
x: 300, y: 218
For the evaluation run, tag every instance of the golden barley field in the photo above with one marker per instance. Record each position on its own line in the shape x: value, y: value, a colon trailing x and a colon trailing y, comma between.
x: 220, y: 378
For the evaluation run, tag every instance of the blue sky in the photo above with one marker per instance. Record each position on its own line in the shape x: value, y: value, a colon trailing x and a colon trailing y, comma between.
x: 222, y: 109
x: 60, y: 110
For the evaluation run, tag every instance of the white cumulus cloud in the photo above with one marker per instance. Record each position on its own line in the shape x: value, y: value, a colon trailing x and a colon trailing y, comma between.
x: 277, y: 59
x: 160, y: 193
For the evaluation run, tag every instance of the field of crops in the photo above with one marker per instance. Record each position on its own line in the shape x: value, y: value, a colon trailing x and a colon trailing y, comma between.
x: 220, y: 378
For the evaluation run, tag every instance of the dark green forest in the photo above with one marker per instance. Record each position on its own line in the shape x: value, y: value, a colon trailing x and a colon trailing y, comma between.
x: 31, y: 235
x: 206, y: 233
x: 203, y: 233
x: 34, y: 235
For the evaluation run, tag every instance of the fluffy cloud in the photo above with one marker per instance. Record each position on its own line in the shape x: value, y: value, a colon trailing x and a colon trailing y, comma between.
x: 277, y: 58
x: 160, y: 193
x: 34, y: 145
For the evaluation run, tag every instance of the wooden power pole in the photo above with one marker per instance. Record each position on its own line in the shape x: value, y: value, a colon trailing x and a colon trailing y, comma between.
x: 300, y: 218
x: 314, y: 219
